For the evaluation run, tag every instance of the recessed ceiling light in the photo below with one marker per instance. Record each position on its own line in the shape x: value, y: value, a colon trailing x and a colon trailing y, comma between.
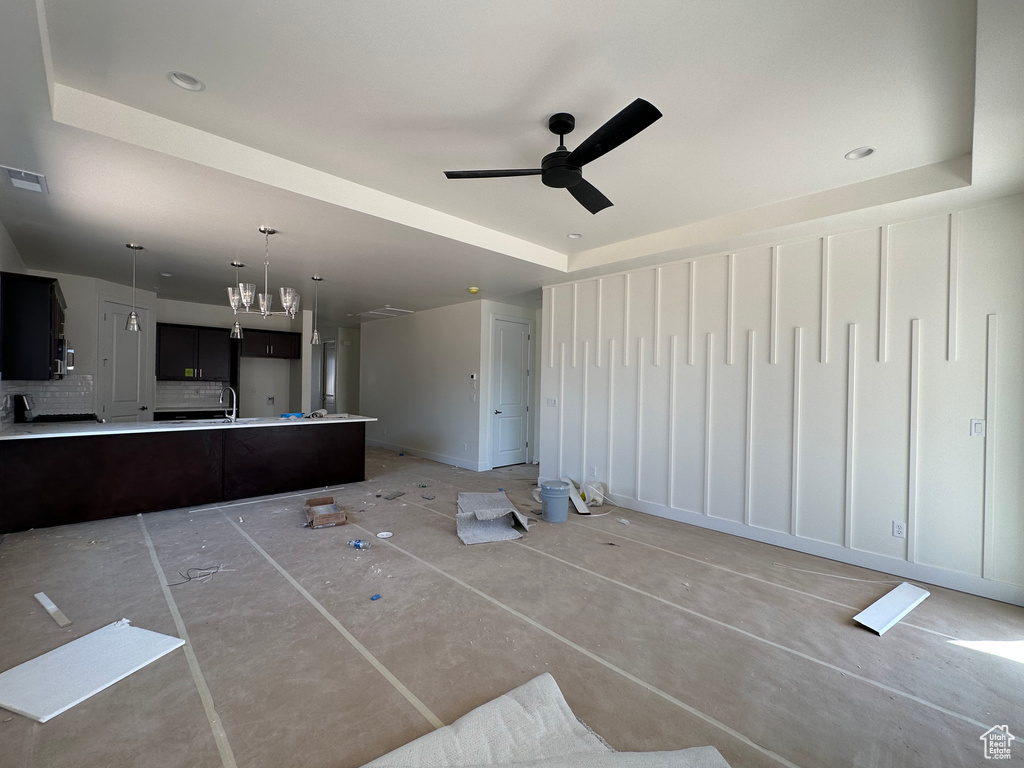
x: 859, y: 152
x: 166, y: 274
x: 186, y: 81
x: 574, y: 235
x: 473, y: 289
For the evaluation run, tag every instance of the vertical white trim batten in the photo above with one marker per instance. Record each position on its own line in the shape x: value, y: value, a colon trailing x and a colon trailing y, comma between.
x: 584, y: 412
x: 707, y: 427
x: 639, y: 412
x: 692, y: 311
x: 730, y: 308
x: 572, y: 335
x: 773, y: 339
x: 611, y: 411
x: 794, y: 497
x: 851, y: 419
x: 600, y: 311
x: 912, y: 460
x: 672, y: 344
x: 989, y: 504
x: 748, y: 461
x: 549, y: 307
x: 625, y: 319
x: 883, y: 294
x: 953, y: 287
x: 561, y: 408
x: 657, y: 316
x: 826, y: 276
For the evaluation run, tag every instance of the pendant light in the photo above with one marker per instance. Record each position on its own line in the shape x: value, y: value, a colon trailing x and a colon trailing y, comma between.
x: 235, y: 295
x: 316, y: 302
x: 133, y: 318
x: 243, y: 296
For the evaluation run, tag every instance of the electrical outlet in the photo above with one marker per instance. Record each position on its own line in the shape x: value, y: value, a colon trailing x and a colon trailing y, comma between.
x: 899, y: 530
x: 593, y: 470
x: 465, y: 447
x: 270, y: 400
x: 472, y: 397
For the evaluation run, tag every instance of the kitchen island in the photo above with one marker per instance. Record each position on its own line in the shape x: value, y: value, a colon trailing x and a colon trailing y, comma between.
x: 52, y: 474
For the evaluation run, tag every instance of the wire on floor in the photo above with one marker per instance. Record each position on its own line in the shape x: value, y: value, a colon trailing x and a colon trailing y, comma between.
x: 202, y: 574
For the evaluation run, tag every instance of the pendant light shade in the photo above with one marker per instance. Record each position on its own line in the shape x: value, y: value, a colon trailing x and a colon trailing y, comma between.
x: 316, y: 306
x: 236, y: 331
x: 133, y: 319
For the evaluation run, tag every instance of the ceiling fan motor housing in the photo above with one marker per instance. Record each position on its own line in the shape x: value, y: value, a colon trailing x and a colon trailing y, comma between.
x: 556, y: 172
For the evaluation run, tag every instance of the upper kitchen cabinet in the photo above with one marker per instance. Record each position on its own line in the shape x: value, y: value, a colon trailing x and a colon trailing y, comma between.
x: 32, y: 343
x: 190, y: 353
x: 272, y: 344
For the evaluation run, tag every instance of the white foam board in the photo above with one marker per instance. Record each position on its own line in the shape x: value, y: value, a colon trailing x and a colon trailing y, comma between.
x: 574, y: 496
x: 56, y: 681
x: 885, y: 612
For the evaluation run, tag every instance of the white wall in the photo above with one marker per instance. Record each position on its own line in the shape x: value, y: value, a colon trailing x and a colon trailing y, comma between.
x: 810, y: 393
x: 263, y: 377
x: 414, y: 377
x: 10, y: 259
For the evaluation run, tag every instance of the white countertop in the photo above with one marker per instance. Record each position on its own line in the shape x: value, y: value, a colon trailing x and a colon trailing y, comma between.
x: 84, y: 428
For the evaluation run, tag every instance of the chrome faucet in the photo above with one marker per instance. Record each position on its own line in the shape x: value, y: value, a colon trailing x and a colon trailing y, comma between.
x: 234, y: 404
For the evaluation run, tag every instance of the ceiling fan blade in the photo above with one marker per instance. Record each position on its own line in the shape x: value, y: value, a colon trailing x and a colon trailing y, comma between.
x: 588, y: 196
x: 621, y: 128
x: 492, y: 174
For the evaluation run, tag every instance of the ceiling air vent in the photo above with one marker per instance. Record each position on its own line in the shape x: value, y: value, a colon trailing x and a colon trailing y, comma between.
x: 34, y: 182
x: 386, y: 311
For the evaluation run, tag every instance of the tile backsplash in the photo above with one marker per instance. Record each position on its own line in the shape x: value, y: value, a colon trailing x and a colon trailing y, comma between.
x: 188, y: 394
x: 72, y: 394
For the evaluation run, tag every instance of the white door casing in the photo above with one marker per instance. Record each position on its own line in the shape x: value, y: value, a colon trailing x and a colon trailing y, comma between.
x: 510, y: 391
x: 124, y: 391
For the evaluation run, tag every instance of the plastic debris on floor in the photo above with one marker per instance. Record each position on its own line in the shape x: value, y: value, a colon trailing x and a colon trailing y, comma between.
x: 531, y: 726
x: 488, y: 517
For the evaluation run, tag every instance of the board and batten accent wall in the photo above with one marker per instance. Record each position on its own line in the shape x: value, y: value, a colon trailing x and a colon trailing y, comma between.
x: 811, y: 393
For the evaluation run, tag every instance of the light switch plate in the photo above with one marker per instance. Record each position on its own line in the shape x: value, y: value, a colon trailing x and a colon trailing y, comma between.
x: 552, y: 402
x: 977, y: 427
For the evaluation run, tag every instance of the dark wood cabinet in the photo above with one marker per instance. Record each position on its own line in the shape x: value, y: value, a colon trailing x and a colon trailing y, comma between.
x: 113, y: 474
x: 31, y: 327
x: 191, y: 353
x: 280, y: 344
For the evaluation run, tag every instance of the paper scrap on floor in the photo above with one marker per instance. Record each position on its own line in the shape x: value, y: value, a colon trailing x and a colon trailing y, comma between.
x: 531, y: 727
x: 487, y: 517
x: 56, y: 681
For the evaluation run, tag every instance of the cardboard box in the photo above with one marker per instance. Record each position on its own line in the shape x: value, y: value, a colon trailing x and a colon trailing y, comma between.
x: 323, y: 513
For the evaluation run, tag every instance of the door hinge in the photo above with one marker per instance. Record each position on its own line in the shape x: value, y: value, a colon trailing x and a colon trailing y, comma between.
x: 527, y: 443
x: 528, y: 337
x: 527, y: 409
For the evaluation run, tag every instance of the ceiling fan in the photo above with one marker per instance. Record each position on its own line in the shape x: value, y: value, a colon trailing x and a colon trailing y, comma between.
x: 563, y: 168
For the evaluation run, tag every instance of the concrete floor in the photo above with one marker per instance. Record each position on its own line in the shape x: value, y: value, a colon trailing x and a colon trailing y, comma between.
x: 673, y: 637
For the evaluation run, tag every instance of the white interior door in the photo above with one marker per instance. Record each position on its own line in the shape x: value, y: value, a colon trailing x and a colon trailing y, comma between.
x: 124, y: 391
x: 510, y: 391
x: 330, y: 376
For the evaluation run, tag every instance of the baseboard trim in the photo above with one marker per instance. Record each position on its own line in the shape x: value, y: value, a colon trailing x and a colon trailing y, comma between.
x: 929, y: 574
x: 438, y: 457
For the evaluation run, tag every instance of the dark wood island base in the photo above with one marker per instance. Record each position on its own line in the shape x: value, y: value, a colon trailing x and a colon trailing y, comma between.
x: 70, y: 479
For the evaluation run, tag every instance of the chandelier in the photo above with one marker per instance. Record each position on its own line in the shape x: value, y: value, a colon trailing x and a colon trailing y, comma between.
x: 242, y: 295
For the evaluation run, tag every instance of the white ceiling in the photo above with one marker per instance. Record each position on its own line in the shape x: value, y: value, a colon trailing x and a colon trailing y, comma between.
x: 333, y: 122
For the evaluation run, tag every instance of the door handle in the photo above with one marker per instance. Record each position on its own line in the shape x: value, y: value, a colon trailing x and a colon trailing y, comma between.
x: 497, y: 412
x: 143, y: 407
